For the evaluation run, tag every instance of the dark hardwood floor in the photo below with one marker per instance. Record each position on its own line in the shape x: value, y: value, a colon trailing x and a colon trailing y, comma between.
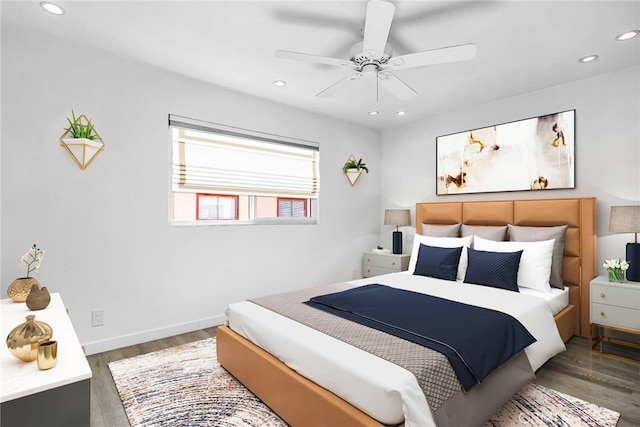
x: 578, y: 372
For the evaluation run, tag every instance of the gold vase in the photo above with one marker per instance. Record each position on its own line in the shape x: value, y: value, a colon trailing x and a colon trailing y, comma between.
x: 23, y: 340
x: 19, y: 289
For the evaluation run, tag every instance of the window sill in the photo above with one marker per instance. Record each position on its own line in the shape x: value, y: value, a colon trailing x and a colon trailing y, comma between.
x: 261, y: 221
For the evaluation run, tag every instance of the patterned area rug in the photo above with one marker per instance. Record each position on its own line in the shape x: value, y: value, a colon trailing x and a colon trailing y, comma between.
x: 185, y: 386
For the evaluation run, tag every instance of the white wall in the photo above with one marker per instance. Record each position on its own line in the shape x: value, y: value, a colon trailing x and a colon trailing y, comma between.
x: 105, y: 230
x: 109, y: 245
x: 607, y: 149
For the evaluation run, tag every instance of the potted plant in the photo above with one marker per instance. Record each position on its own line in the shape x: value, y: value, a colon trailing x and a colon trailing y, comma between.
x: 353, y: 169
x: 19, y: 289
x: 81, y: 140
x: 79, y: 130
x: 358, y: 165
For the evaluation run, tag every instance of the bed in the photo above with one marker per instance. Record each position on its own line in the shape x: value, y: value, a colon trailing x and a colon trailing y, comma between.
x: 301, y: 401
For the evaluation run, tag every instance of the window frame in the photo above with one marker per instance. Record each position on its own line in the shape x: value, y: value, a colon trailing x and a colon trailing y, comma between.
x: 293, y: 199
x: 311, y: 203
x: 218, y: 196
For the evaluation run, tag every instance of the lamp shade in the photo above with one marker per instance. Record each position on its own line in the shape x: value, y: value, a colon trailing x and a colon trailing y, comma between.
x: 624, y: 219
x: 397, y: 217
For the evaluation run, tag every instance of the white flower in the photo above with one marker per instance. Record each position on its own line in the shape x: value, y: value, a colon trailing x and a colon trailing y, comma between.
x: 32, y: 259
x: 616, y: 264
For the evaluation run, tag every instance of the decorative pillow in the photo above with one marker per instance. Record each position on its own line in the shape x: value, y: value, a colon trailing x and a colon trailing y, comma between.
x: 434, y: 230
x: 441, y: 242
x: 489, y: 232
x: 533, y: 234
x: 535, y: 263
x: 441, y: 263
x: 495, y: 269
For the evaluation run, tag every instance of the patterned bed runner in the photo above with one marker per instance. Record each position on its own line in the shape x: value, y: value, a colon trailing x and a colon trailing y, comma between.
x: 432, y: 369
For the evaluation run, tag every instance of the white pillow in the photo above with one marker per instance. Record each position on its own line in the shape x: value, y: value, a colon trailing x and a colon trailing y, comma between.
x: 535, y: 263
x: 441, y: 242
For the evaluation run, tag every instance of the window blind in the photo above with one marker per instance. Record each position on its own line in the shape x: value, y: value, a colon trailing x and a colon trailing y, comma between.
x: 227, y: 160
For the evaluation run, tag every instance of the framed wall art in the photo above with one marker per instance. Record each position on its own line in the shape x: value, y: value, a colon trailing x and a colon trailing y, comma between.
x: 530, y: 154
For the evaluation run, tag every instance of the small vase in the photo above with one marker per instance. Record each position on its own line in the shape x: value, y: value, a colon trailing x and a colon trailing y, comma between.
x: 38, y: 298
x: 23, y: 340
x: 616, y: 275
x: 19, y: 289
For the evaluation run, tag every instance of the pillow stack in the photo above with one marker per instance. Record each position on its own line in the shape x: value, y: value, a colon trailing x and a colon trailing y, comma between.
x: 531, y: 259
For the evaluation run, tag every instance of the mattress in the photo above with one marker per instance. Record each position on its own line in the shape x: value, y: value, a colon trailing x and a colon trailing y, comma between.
x: 557, y: 299
x: 391, y: 394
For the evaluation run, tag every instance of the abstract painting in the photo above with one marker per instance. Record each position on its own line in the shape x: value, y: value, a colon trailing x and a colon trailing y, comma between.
x: 530, y: 154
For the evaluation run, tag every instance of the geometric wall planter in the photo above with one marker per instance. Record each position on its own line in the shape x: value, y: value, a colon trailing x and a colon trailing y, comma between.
x: 353, y: 169
x: 83, y: 151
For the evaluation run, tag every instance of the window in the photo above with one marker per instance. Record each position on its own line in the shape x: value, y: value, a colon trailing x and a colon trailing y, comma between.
x: 216, y: 206
x: 292, y: 208
x: 229, y: 175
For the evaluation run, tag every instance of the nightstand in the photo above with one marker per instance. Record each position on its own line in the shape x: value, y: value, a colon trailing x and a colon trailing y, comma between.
x: 374, y: 264
x: 614, y: 306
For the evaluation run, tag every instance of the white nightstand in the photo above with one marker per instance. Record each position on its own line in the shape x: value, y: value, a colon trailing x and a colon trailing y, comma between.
x: 614, y: 306
x: 374, y: 264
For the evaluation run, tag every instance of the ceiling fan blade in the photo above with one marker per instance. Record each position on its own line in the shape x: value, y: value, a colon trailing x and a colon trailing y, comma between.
x: 431, y: 57
x: 397, y: 87
x: 376, y: 27
x: 316, y: 59
x: 338, y: 86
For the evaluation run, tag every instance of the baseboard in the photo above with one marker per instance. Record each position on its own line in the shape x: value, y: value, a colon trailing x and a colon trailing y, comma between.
x: 150, y: 335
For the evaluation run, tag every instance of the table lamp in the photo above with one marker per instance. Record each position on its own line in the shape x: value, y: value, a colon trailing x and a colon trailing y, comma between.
x: 626, y: 219
x: 397, y: 217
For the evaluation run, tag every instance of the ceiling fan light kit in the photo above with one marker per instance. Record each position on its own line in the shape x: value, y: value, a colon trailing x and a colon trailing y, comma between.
x: 373, y: 57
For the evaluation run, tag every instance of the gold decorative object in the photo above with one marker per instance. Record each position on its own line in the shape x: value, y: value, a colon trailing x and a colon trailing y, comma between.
x: 82, y: 150
x: 47, y: 355
x: 20, y: 288
x: 23, y: 340
x: 38, y: 298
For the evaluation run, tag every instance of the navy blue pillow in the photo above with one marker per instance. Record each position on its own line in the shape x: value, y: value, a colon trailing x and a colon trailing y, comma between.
x: 495, y: 269
x: 441, y: 263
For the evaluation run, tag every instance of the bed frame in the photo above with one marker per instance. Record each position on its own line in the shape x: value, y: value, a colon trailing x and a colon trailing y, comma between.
x: 301, y: 402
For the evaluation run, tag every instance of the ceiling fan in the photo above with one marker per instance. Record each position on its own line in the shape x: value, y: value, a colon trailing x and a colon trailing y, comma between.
x: 372, y: 57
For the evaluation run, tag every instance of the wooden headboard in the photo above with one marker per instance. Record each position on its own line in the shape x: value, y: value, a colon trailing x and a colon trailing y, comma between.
x: 579, y: 262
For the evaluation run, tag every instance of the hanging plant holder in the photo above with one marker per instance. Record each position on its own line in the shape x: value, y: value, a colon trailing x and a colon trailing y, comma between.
x: 353, y: 169
x: 82, y: 150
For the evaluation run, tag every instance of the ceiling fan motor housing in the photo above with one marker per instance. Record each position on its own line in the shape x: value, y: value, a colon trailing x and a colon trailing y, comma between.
x: 361, y: 59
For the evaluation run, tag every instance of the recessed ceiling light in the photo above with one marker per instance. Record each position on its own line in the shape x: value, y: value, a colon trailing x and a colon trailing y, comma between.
x: 401, y: 113
x: 52, y: 8
x: 279, y: 83
x: 589, y: 58
x: 373, y: 113
x: 628, y: 35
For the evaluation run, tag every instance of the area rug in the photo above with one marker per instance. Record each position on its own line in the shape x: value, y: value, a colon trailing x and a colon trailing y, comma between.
x: 186, y: 386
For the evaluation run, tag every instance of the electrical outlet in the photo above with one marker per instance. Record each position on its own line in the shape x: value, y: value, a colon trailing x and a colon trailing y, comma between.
x: 97, y: 318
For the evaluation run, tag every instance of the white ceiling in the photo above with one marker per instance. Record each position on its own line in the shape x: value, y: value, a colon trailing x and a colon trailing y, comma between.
x: 522, y: 46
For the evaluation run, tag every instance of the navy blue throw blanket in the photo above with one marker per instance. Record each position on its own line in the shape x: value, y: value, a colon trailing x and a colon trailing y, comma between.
x: 476, y: 340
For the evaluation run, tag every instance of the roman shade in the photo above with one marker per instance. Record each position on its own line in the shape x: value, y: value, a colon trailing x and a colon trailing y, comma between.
x: 214, y: 158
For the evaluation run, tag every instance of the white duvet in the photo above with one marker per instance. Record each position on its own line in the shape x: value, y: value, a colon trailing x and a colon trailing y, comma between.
x: 391, y: 394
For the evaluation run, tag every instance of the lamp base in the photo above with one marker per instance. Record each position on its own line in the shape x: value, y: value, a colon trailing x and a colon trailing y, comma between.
x: 397, y: 242
x: 633, y: 257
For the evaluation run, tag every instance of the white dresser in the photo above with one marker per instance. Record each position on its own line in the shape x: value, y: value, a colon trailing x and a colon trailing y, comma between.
x: 59, y: 396
x: 614, y: 306
x: 374, y: 264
